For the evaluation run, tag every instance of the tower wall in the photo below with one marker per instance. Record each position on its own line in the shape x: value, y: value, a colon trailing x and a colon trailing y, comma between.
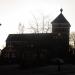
x: 62, y: 30
x: 61, y: 27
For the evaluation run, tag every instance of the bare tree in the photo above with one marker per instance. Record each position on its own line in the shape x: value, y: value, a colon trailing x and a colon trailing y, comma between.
x: 21, y: 28
x: 43, y: 26
x: 35, y: 29
x: 72, y: 38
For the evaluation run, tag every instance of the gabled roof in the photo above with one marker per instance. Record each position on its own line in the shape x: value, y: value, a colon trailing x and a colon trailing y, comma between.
x: 41, y: 40
x: 30, y: 37
x: 60, y: 19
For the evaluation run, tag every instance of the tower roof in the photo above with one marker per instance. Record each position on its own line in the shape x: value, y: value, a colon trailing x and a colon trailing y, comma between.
x: 60, y: 18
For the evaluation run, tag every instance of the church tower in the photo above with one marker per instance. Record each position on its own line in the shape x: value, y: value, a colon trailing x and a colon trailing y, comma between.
x: 61, y: 27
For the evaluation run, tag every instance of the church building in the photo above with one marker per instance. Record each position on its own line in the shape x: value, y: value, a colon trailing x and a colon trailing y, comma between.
x: 31, y: 48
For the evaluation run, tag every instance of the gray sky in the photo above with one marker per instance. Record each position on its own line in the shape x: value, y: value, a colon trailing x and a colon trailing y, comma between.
x: 12, y: 12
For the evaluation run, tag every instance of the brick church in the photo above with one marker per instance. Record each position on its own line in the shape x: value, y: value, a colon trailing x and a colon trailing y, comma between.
x: 41, y: 47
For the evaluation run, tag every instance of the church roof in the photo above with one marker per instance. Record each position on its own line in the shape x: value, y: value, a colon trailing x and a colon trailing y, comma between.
x: 60, y: 18
x: 43, y: 40
x: 25, y: 37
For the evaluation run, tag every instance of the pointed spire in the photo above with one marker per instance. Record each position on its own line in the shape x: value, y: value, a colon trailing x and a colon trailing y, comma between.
x: 61, y: 10
x: 60, y: 18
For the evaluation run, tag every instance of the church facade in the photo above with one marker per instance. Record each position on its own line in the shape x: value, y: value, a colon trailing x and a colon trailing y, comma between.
x: 40, y: 47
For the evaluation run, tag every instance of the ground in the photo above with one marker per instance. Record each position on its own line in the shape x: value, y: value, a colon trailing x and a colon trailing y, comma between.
x: 44, y: 70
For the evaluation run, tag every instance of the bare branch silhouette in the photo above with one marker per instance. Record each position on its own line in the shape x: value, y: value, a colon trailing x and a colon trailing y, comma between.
x: 21, y: 28
x: 43, y: 26
x: 72, y: 37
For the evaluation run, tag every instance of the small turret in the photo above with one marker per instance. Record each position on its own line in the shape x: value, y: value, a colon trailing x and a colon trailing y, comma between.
x: 61, y: 27
x: 60, y: 24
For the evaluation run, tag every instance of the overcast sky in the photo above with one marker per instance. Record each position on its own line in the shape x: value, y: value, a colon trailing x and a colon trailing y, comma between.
x: 12, y: 12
